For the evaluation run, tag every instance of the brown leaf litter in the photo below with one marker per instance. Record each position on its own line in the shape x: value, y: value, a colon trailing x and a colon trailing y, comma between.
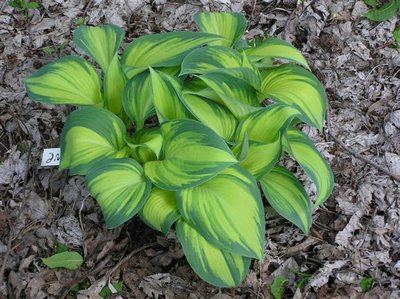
x: 355, y: 234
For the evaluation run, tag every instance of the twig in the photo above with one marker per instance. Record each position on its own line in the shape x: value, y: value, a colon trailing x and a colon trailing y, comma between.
x: 88, y: 4
x: 364, y: 159
x: 3, y: 5
x: 128, y: 257
x: 108, y: 273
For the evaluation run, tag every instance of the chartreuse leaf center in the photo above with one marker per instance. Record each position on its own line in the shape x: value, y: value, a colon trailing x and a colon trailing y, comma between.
x: 302, y: 149
x: 288, y: 197
x: 161, y: 210
x: 214, y: 265
x: 146, y: 145
x: 120, y: 187
x: 91, y: 135
x: 136, y: 100
x: 261, y: 157
x: 212, y: 114
x: 266, y: 124
x: 164, y: 49
x: 69, y: 80
x: 274, y: 48
x: 229, y: 25
x: 165, y: 90
x: 207, y: 59
x: 101, y: 43
x: 227, y: 211
x: 292, y: 85
x: 192, y: 154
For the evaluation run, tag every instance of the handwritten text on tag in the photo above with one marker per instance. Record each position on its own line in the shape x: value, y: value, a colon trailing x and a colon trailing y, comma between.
x: 51, y: 157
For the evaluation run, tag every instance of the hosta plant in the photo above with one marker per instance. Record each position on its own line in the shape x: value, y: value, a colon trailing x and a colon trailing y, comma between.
x: 183, y: 128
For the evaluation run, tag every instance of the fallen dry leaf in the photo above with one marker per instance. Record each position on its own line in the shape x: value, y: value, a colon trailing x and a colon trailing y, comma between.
x: 323, y: 274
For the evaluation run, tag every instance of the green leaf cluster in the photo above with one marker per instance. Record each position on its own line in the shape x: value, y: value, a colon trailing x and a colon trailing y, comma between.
x: 183, y: 127
x: 382, y: 13
x: 117, y: 285
x: 23, y: 5
x: 366, y: 284
x: 278, y: 287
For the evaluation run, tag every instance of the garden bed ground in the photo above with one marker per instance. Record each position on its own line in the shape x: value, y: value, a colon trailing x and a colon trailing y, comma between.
x: 356, y: 234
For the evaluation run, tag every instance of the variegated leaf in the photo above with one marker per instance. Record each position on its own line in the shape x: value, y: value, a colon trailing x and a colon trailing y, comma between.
x: 146, y: 144
x: 114, y: 82
x: 90, y: 135
x: 302, y: 149
x: 212, y: 114
x: 273, y: 48
x: 120, y: 188
x: 164, y: 49
x: 227, y: 211
x: 165, y: 92
x: 161, y: 210
x: 215, y: 266
x: 295, y: 86
x: 197, y: 87
x: 131, y: 71
x: 69, y: 80
x: 265, y: 125
x: 241, y: 149
x: 255, y: 76
x: 192, y: 154
x: 223, y: 60
x: 100, y: 42
x: 236, y: 94
x: 288, y: 197
x: 137, y: 100
x: 230, y: 25
x: 261, y: 157
x: 245, y: 74
x: 206, y: 59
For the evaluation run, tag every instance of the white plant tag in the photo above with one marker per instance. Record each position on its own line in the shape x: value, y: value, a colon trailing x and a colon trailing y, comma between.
x: 51, y: 157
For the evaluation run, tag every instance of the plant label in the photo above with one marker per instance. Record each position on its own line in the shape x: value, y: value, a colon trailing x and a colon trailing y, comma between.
x: 51, y: 157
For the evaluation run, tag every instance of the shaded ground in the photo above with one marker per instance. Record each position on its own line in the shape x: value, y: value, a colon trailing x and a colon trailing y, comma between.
x: 356, y: 234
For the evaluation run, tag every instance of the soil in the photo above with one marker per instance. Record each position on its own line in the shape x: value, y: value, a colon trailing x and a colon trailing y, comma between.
x: 356, y: 233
